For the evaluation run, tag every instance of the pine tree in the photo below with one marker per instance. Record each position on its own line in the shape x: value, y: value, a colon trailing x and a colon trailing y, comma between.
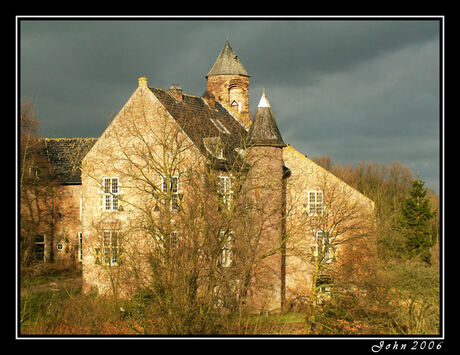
x: 414, y: 222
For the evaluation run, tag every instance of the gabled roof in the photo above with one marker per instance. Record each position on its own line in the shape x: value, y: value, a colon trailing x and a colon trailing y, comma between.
x: 200, y: 121
x: 65, y: 156
x: 227, y: 63
x: 264, y: 130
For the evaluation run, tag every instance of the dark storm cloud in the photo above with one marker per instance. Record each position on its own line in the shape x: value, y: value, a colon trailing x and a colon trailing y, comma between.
x: 301, y: 51
x: 352, y: 90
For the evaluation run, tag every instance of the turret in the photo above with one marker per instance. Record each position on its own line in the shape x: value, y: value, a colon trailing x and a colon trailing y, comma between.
x: 228, y: 81
x: 264, y: 130
x: 265, y: 155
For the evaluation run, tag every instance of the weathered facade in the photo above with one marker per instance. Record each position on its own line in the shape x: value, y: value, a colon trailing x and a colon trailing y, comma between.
x: 51, y: 202
x: 141, y: 175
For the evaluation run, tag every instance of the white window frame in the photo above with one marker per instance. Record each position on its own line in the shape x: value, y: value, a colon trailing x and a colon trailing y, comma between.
x: 237, y: 104
x: 174, y: 190
x: 225, y: 189
x: 323, y: 291
x: 330, y: 253
x: 34, y: 172
x: 315, y: 208
x: 110, y: 250
x: 174, y: 239
x: 111, y: 195
x: 40, y: 243
x: 80, y: 246
x: 225, y: 257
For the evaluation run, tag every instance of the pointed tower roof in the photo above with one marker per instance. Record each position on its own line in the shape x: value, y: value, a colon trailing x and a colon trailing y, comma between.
x: 264, y: 130
x: 227, y: 63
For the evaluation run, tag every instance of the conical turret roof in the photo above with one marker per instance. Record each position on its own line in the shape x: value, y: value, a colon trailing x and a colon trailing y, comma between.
x: 227, y: 63
x: 264, y: 130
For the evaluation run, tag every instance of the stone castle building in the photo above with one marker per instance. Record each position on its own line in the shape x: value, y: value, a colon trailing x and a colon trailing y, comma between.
x: 141, y: 181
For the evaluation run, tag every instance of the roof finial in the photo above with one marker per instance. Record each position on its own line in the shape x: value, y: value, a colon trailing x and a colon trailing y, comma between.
x: 226, y: 40
x: 264, y: 100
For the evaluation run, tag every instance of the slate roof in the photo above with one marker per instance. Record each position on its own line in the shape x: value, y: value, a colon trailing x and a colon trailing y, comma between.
x: 65, y: 156
x: 204, y: 121
x: 228, y: 63
x: 200, y: 121
x: 264, y: 130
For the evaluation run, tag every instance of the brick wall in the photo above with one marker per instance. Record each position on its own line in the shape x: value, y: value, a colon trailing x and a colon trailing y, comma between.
x: 67, y: 224
x: 229, y: 88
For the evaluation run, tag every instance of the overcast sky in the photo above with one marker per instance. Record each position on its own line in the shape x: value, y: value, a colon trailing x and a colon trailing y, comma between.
x: 353, y: 90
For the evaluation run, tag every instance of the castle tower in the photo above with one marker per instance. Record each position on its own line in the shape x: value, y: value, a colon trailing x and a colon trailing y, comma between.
x: 265, y: 154
x: 228, y: 81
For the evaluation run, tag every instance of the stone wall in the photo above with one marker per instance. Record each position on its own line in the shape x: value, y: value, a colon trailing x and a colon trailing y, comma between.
x: 340, y: 202
x: 141, y: 144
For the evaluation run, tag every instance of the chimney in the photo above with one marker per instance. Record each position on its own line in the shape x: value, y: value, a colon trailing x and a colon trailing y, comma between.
x: 209, y: 98
x: 143, y: 81
x: 176, y: 91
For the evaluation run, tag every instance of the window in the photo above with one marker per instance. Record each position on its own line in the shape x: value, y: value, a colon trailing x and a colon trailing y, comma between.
x: 80, y: 246
x: 236, y: 104
x: 323, y: 284
x: 315, y: 202
x: 225, y: 189
x: 39, y: 248
x: 110, y: 248
x: 322, y: 243
x: 214, y: 146
x: 34, y: 172
x: 225, y: 258
x: 60, y: 246
x: 166, y: 243
x: 111, y: 193
x: 174, y: 240
x: 174, y: 190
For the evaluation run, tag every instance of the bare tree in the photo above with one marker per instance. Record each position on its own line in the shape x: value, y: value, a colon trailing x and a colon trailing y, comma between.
x: 331, y: 228
x: 184, y: 218
x: 36, y: 189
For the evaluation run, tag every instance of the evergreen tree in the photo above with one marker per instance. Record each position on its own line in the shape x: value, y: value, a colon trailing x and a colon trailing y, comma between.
x: 414, y: 222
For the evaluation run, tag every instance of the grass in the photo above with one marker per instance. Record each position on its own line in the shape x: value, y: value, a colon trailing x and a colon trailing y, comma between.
x: 41, y: 311
x: 43, y: 273
x: 67, y: 311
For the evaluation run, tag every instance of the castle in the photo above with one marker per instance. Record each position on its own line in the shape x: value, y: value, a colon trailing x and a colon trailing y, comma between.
x: 177, y: 169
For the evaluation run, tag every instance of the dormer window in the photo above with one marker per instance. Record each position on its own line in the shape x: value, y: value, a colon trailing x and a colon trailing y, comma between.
x: 214, y: 146
x: 236, y: 104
